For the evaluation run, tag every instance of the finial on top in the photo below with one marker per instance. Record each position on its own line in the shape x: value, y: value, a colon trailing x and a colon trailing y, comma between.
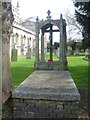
x: 37, y: 19
x: 61, y: 16
x: 48, y: 17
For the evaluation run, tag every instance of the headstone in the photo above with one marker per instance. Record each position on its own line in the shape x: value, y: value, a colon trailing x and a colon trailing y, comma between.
x: 58, y: 52
x: 87, y: 53
x: 33, y: 51
x: 28, y: 54
x: 77, y: 52
x: 68, y: 52
x: 14, y: 55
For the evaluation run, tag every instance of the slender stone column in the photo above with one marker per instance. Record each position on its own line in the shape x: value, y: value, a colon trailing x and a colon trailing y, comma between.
x: 61, y: 40
x: 42, y: 47
x: 37, y: 41
x: 64, y: 41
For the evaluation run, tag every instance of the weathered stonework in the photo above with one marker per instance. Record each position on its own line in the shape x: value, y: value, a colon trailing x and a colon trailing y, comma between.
x: 43, y: 26
x: 14, y: 55
x: 55, y: 65
x: 46, y: 94
x: 24, y: 108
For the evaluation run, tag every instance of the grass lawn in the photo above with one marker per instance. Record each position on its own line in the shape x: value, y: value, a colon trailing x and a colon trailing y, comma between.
x: 21, y: 69
x: 79, y: 71
x: 78, y: 68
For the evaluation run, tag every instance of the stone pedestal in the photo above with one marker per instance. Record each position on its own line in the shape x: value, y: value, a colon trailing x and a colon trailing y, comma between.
x: 54, y: 65
x: 14, y: 55
x: 46, y: 94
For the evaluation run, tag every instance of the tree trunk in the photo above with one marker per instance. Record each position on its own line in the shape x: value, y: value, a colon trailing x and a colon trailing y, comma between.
x: 7, y: 20
x: 6, y: 73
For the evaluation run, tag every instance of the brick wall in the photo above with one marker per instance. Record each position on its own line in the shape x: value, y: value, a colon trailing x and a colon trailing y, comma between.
x: 24, y: 108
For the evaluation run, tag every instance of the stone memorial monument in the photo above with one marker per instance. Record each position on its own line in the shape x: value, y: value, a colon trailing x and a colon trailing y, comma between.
x: 47, y: 26
x: 49, y: 92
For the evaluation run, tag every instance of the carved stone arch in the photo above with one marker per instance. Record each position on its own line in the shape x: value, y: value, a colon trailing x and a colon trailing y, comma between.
x: 52, y: 22
x: 42, y: 26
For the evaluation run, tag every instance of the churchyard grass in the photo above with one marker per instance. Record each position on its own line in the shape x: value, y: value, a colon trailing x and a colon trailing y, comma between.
x: 79, y: 71
x: 78, y: 68
x: 21, y: 69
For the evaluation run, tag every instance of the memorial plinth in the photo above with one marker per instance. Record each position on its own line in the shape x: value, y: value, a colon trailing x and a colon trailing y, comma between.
x: 46, y: 94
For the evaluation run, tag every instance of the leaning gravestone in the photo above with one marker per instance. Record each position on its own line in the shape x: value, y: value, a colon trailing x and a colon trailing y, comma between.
x: 14, y: 55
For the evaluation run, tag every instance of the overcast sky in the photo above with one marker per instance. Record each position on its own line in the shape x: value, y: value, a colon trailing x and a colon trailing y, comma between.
x: 33, y: 8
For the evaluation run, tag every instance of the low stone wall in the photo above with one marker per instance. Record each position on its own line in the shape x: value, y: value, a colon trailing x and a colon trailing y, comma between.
x: 24, y: 108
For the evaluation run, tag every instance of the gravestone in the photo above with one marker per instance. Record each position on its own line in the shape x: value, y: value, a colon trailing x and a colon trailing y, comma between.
x: 87, y: 54
x: 58, y: 52
x: 68, y: 52
x: 77, y: 52
x: 28, y: 54
x: 14, y: 55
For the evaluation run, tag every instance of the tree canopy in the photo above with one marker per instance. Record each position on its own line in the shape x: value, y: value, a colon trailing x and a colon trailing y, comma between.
x: 82, y: 13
